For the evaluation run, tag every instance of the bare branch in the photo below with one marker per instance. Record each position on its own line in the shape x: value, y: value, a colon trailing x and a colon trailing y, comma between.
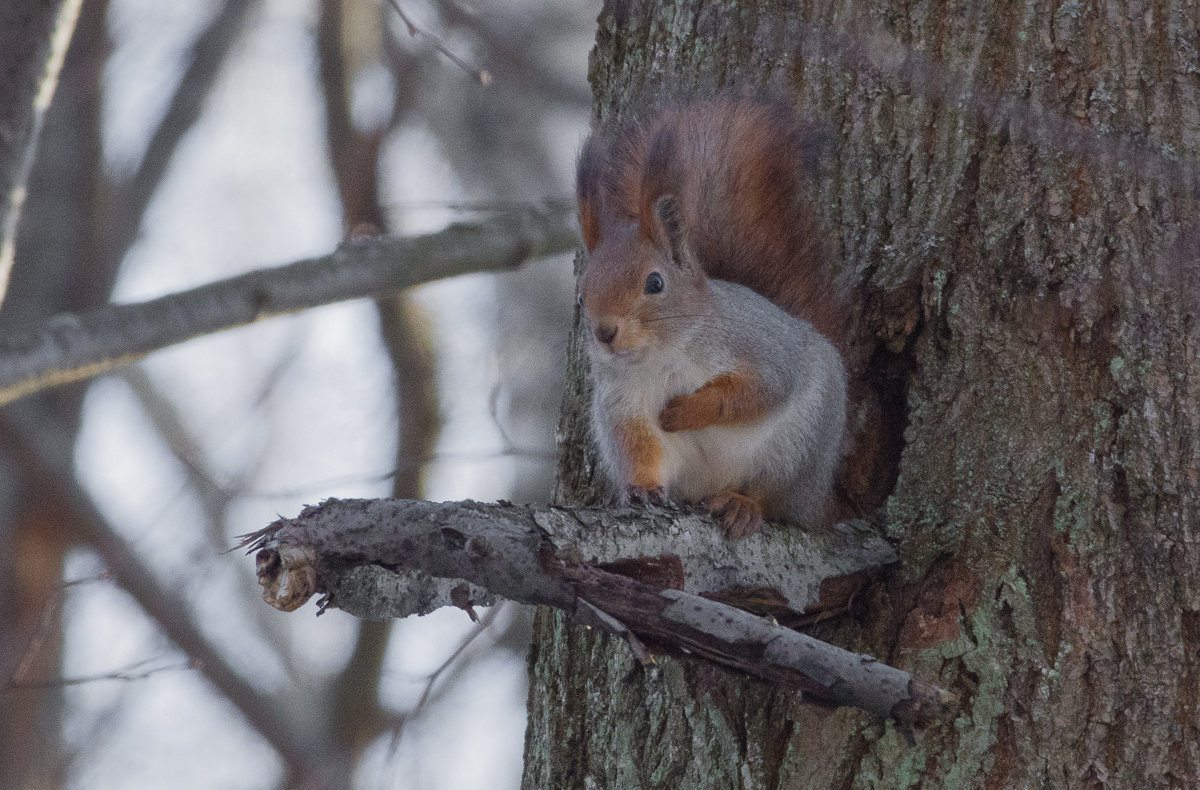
x: 47, y: 622
x: 511, y: 48
x: 71, y: 347
x: 509, y: 550
x: 473, y: 635
x: 163, y: 413
x: 480, y: 75
x: 140, y: 670
x: 34, y: 35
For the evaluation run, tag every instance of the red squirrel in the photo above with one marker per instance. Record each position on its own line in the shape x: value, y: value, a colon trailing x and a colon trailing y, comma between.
x: 710, y: 309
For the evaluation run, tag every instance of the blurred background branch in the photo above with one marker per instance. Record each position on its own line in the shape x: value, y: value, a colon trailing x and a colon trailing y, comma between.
x: 34, y: 35
x: 42, y: 446
x: 72, y: 347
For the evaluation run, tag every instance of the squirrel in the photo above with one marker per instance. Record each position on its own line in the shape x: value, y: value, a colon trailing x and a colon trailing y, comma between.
x: 712, y: 314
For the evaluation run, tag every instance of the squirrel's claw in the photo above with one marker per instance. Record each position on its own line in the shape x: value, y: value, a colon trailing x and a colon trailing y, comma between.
x: 647, y: 495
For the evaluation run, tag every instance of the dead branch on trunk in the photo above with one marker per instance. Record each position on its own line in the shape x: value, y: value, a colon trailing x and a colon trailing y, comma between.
x: 545, y: 556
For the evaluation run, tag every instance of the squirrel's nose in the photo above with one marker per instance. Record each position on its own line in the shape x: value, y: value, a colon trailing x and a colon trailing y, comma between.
x: 605, y: 333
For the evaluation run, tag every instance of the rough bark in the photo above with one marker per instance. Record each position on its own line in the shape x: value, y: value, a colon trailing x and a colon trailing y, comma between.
x: 797, y: 568
x: 1011, y: 189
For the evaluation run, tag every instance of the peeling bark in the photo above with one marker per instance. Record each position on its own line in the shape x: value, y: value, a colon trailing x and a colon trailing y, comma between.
x: 362, y: 534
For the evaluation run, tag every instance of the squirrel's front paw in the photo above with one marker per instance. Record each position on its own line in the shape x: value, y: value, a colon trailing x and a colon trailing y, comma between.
x: 643, y: 495
x: 680, y: 415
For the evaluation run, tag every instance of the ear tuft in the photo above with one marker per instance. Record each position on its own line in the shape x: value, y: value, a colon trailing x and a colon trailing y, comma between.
x: 669, y: 222
x: 660, y: 177
x: 589, y: 190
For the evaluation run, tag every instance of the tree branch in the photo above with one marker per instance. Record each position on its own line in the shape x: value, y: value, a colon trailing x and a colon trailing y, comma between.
x: 514, y: 552
x: 71, y: 347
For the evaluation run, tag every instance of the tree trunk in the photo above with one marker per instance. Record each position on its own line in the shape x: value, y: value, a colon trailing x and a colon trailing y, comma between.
x: 1012, y: 191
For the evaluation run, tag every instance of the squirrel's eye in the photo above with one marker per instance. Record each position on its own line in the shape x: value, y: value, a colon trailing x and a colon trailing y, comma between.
x: 654, y: 283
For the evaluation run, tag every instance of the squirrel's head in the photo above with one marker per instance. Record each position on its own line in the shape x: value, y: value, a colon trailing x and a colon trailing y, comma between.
x: 643, y: 288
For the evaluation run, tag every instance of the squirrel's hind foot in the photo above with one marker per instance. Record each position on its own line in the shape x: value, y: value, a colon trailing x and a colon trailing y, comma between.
x: 740, y: 515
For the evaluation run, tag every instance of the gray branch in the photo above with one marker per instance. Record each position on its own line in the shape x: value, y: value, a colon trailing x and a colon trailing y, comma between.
x: 566, y: 558
x: 71, y: 347
x: 793, y: 564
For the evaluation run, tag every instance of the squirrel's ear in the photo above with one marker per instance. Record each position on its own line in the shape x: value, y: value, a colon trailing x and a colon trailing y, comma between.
x: 669, y: 220
x: 660, y: 179
x: 589, y: 191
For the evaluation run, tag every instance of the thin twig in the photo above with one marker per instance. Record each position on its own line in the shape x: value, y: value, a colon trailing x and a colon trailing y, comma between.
x: 243, y: 491
x: 511, y: 52
x: 130, y: 673
x: 482, y: 76
x: 208, y: 55
x: 45, y: 625
x: 432, y: 678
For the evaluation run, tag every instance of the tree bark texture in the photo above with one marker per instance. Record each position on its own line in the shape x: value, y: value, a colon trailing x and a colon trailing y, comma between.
x: 1011, y: 191
x: 803, y: 572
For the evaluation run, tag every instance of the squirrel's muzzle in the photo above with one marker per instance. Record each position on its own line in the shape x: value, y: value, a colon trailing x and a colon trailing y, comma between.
x: 605, y: 332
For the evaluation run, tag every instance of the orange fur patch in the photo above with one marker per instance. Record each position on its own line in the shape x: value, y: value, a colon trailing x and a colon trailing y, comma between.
x: 642, y: 451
